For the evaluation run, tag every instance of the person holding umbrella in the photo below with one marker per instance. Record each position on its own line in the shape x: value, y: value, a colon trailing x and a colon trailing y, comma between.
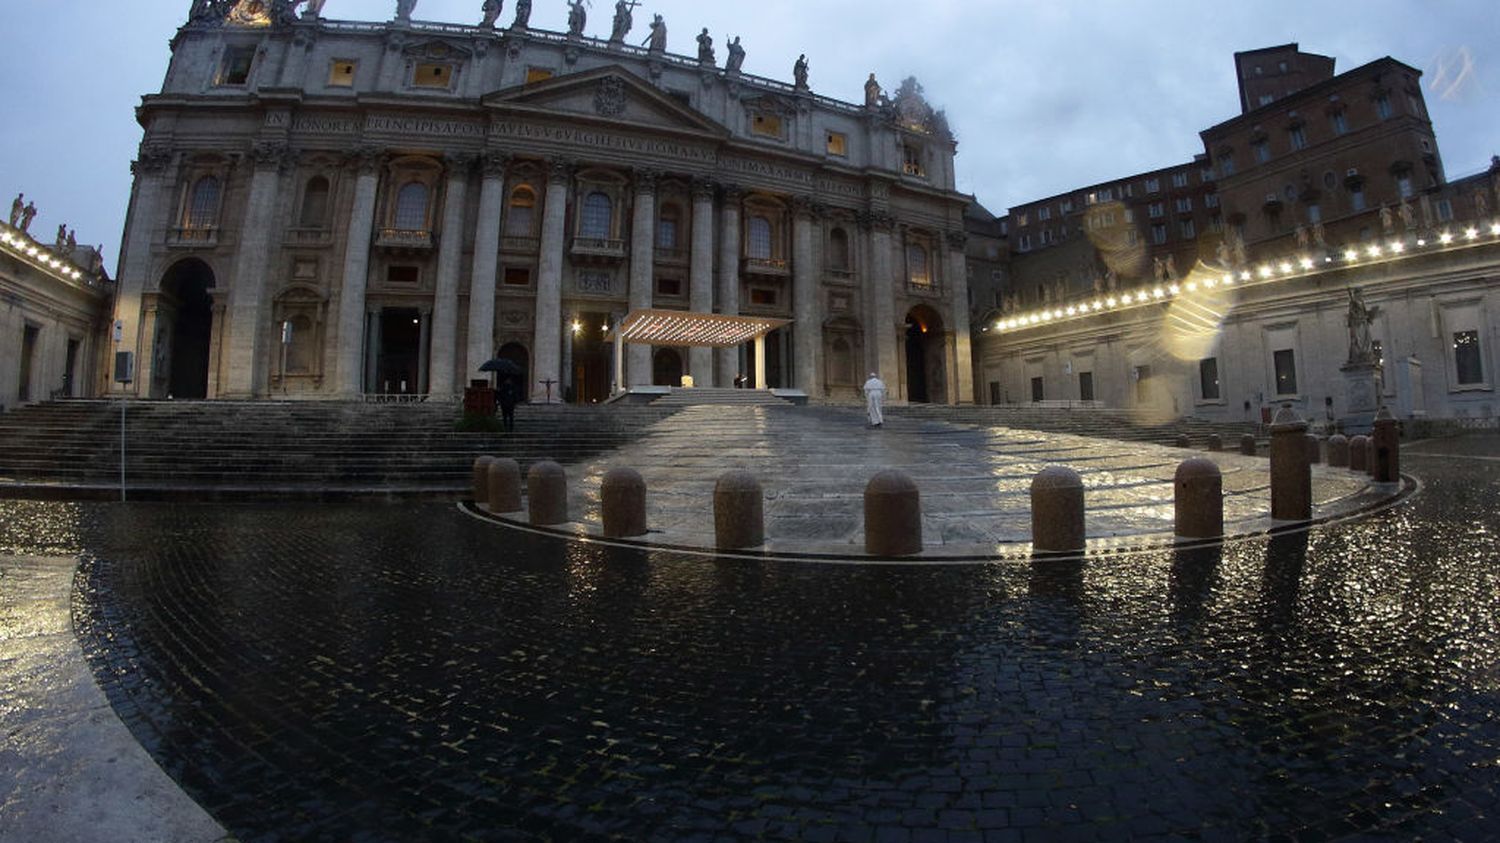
x: 508, y: 398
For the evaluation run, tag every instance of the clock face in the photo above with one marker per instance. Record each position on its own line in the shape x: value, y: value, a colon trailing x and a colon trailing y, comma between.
x: 250, y: 13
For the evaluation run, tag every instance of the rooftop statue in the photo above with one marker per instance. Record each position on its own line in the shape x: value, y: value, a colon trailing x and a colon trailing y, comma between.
x: 492, y: 9
x: 656, y: 42
x: 27, y: 215
x: 404, y: 8
x: 577, y: 17
x: 705, y: 47
x: 799, y: 71
x: 16, y: 207
x: 736, y: 56
x: 872, y: 92
x: 314, y: 10
x: 623, y: 20
x: 523, y: 15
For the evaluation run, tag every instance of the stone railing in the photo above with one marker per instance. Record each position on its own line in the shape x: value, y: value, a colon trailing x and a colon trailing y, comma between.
x: 523, y: 245
x: 403, y: 238
x: 309, y: 237
x: 599, y: 247
x: 671, y: 256
x: 193, y: 237
x: 767, y: 266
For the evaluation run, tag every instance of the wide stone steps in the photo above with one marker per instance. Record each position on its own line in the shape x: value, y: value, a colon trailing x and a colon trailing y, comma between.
x: 698, y: 396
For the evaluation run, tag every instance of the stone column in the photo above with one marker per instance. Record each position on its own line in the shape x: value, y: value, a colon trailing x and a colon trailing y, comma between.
x: 424, y: 354
x: 443, y: 347
x: 729, y: 279
x: 569, y: 336
x: 760, y: 362
x: 481, y: 341
x: 618, y: 361
x: 246, y: 373
x: 958, y: 271
x: 807, y: 329
x: 146, y: 212
x: 356, y: 270
x: 883, y: 303
x: 642, y: 269
x: 548, y: 316
x: 372, y: 352
x: 701, y: 278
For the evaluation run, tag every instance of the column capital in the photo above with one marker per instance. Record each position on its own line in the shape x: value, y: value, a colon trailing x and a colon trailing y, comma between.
x: 733, y: 193
x: 957, y: 240
x: 459, y: 163
x: 494, y: 164
x: 365, y: 160
x: 153, y: 158
x: 803, y: 207
x: 645, y: 181
x: 703, y: 189
x: 559, y: 170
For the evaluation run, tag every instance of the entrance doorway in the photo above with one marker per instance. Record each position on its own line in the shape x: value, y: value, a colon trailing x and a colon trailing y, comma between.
x: 398, y: 364
x: 188, y: 308
x: 592, y: 349
x: 516, y: 353
x: 666, y: 367
x: 29, y: 336
x: 925, y: 369
x: 774, y: 341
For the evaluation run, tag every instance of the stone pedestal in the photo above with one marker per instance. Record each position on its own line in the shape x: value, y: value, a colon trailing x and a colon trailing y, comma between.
x: 1361, y: 396
x: 1291, y: 474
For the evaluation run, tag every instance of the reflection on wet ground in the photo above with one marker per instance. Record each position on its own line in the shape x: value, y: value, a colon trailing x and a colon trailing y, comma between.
x: 405, y: 672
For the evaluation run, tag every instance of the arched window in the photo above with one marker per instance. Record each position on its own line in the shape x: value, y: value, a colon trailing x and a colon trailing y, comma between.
x: 760, y: 238
x: 838, y: 249
x: 841, y: 363
x: 667, y: 227
x: 598, y: 215
x: 916, y: 262
x: 411, y: 207
x: 203, y: 209
x: 522, y: 213
x: 315, y: 203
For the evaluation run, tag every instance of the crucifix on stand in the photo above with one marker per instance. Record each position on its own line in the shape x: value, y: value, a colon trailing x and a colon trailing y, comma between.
x: 548, y: 383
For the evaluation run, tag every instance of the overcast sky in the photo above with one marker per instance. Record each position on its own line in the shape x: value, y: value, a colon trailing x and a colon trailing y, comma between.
x: 1044, y: 96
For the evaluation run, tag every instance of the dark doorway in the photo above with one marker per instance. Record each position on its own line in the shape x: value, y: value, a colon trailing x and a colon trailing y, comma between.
x: 516, y: 353
x: 593, y: 349
x: 70, y: 369
x: 772, y: 345
x: 666, y: 367
x: 396, y: 368
x: 924, y: 356
x: 29, y: 336
x: 187, y: 303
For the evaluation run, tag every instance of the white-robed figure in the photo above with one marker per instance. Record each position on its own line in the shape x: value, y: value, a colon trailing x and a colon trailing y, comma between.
x: 874, y: 398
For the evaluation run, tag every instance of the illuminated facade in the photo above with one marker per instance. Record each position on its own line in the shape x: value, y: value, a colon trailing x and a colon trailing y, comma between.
x: 337, y: 209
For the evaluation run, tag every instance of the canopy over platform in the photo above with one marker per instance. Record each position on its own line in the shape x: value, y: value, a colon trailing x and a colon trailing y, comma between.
x: 695, y: 330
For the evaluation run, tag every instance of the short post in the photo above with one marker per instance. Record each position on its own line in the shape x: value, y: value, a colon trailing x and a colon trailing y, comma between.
x: 1370, y: 454
x: 482, y: 479
x: 739, y: 511
x: 1215, y: 442
x: 1199, y: 499
x: 1291, y: 474
x: 1359, y: 452
x: 1314, y: 449
x: 1387, y: 447
x: 1247, y: 444
x: 505, y: 485
x: 1057, y: 510
x: 1338, y: 451
x: 622, y: 499
x: 547, y: 493
x: 893, y: 515
x: 1183, y: 441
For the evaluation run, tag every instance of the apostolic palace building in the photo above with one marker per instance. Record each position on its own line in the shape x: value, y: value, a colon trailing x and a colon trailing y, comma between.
x: 334, y: 209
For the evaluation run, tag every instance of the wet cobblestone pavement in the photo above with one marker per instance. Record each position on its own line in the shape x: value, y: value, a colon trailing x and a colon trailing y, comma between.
x: 405, y: 672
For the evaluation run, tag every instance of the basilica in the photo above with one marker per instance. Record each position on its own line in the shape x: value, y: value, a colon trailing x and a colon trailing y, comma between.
x: 333, y: 209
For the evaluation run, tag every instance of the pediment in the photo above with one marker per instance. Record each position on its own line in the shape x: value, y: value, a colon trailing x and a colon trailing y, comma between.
x: 610, y: 94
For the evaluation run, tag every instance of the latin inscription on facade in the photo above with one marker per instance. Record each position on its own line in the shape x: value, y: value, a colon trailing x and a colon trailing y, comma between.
x: 594, y: 282
x: 603, y: 140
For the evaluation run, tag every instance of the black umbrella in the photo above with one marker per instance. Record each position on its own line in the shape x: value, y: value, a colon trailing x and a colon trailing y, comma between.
x: 502, y: 367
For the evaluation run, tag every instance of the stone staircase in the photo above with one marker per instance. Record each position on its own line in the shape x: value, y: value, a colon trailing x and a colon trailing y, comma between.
x: 1102, y: 423
x: 697, y: 396
x: 269, y: 449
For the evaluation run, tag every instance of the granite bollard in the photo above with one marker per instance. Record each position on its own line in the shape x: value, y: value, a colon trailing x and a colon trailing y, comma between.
x: 1057, y: 510
x: 505, y: 485
x: 1338, y: 451
x: 739, y: 511
x: 482, y: 479
x: 1247, y: 444
x: 547, y: 493
x: 1291, y: 473
x: 893, y: 515
x: 1359, y: 452
x: 1215, y: 442
x: 1314, y: 449
x: 1387, y: 441
x: 1183, y: 441
x: 1198, y: 499
x: 622, y: 500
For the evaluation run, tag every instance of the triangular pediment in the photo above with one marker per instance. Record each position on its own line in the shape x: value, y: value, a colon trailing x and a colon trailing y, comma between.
x: 608, y: 94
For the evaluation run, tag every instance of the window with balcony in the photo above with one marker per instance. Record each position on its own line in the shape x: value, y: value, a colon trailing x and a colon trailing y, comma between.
x: 1339, y: 121
x: 411, y: 207
x: 1184, y: 205
x: 1186, y: 229
x: 667, y: 226
x: 598, y: 216
x: 520, y: 217
x: 912, y: 161
x: 838, y: 145
x: 918, y: 271
x: 838, y: 250
x: 1403, y: 185
x: 314, y: 204
x: 1157, y: 209
x: 759, y: 243
x: 203, y: 204
x: 1158, y: 234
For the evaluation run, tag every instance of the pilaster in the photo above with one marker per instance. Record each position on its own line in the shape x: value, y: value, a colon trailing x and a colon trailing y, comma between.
x: 481, y: 338
x: 546, y: 350
x: 246, y: 373
x: 701, y: 276
x: 806, y: 329
x: 349, y: 342
x: 441, y: 347
x: 642, y: 269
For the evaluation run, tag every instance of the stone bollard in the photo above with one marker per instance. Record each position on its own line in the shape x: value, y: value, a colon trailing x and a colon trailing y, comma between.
x: 1359, y: 452
x: 482, y: 479
x: 1183, y: 441
x: 1338, y: 451
x: 1199, y: 499
x: 622, y: 501
x: 1291, y: 474
x: 1057, y: 510
x: 1247, y: 444
x: 1215, y: 442
x: 1314, y: 449
x: 739, y: 511
x: 1370, y: 454
x: 1387, y: 448
x: 893, y: 515
x: 505, y: 485
x: 547, y: 493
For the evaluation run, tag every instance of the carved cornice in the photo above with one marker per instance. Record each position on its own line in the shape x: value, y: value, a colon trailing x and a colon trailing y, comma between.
x: 883, y: 222
x: 703, y: 189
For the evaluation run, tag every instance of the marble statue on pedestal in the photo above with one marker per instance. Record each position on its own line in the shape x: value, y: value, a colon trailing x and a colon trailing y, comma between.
x: 872, y: 92
x: 705, y: 47
x: 623, y: 20
x: 16, y: 207
x: 799, y: 71
x: 492, y: 9
x: 736, y: 56
x: 523, y: 15
x: 404, y: 8
x: 656, y: 42
x: 1359, y: 319
x: 577, y: 17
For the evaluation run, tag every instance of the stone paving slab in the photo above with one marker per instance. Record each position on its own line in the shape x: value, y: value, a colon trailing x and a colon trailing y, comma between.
x: 974, y: 482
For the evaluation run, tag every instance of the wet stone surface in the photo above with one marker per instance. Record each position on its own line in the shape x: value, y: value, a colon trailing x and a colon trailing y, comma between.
x: 408, y: 672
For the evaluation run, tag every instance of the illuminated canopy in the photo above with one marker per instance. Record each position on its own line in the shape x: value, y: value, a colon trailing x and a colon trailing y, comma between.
x: 680, y: 328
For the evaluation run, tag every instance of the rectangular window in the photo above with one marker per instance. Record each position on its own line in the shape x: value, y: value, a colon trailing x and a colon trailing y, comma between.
x: 432, y: 75
x: 1211, y: 200
x: 1131, y: 238
x: 1036, y: 389
x: 520, y: 276
x: 403, y: 274
x: 1025, y: 242
x: 838, y: 145
x: 1226, y: 164
x: 1142, y: 384
x: 911, y: 161
x: 1158, y: 234
x: 1180, y: 179
x: 1186, y: 229
x: 1444, y: 210
x: 1185, y: 205
x: 341, y: 74
x: 669, y: 286
x: 1340, y: 122
x: 1085, y: 386
x: 1208, y: 378
x: 1286, y: 371
x: 1153, y: 185
x: 1297, y: 137
x: 1067, y: 206
x: 1044, y: 212
x: 29, y: 335
x: 762, y: 296
x: 1216, y: 223
x: 1383, y: 106
x: 766, y: 125
x: 1403, y: 185
x: 994, y: 392
x: 1357, y: 199
x: 1262, y: 151
x: 237, y: 64
x: 1314, y: 212
x: 538, y: 74
x: 1206, y: 175
x: 1157, y: 209
x: 1467, y: 363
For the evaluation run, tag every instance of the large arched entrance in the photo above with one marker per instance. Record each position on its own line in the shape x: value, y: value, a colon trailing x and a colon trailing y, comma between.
x: 666, y: 367
x: 184, y: 325
x: 517, y: 354
x: 926, y: 371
